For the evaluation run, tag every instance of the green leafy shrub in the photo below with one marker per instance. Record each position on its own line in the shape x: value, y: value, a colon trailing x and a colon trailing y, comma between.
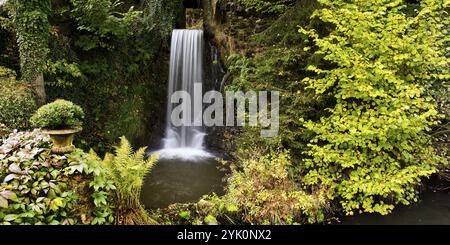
x: 17, y: 102
x: 127, y: 170
x: 101, y: 22
x: 281, y: 65
x: 101, y: 50
x: 373, y: 148
x: 59, y: 114
x: 62, y: 74
x: 209, y: 210
x: 32, y: 27
x: 98, y: 188
x: 260, y: 191
x: 441, y: 132
x: 5, y: 72
x: 264, y: 193
x: 38, y: 187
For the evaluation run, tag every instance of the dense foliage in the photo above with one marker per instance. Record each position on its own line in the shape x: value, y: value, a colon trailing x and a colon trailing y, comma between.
x: 43, y: 188
x: 367, y: 96
x: 17, y: 101
x: 280, y: 63
x: 109, y: 56
x: 266, y: 6
x: 127, y: 169
x: 373, y: 148
x: 105, y: 60
x: 32, y: 27
x: 60, y: 114
x: 9, y: 53
x: 264, y: 184
x: 364, y: 110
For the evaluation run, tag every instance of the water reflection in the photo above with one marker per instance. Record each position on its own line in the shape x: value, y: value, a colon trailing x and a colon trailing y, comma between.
x: 432, y: 209
x: 180, y: 181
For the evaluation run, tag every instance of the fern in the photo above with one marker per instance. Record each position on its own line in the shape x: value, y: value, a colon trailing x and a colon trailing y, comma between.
x: 127, y: 170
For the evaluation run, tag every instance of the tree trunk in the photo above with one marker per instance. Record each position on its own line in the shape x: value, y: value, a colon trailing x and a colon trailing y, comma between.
x: 39, y: 88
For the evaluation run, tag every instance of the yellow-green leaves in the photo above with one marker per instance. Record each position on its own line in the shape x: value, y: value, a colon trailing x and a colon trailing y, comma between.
x: 373, y: 147
x: 264, y: 194
x: 6, y: 195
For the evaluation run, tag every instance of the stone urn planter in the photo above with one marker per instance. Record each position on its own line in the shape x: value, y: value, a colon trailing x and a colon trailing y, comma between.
x: 62, y: 139
x: 61, y: 119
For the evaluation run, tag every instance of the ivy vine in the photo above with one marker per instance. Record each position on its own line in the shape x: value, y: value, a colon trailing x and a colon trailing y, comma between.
x: 31, y: 21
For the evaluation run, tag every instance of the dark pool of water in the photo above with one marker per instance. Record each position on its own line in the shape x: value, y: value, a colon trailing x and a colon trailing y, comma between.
x: 432, y: 209
x: 181, y: 181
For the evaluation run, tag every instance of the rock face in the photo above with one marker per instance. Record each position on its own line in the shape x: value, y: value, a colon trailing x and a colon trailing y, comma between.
x: 223, y: 22
x: 231, y: 27
x: 234, y: 31
x: 214, y: 66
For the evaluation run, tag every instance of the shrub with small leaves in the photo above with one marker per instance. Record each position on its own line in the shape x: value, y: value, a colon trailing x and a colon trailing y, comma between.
x: 17, y: 102
x: 264, y: 193
x: 374, y: 147
x: 260, y: 192
x: 59, y: 114
x: 5, y: 72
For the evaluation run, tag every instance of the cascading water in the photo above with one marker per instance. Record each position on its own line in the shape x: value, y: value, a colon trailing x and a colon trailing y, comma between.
x: 186, y: 69
x: 185, y: 171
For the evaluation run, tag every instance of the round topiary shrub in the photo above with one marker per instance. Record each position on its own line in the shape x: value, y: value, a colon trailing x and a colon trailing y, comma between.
x: 60, y: 114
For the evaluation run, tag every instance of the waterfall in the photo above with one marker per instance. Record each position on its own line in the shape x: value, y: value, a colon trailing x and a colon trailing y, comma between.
x: 186, y: 69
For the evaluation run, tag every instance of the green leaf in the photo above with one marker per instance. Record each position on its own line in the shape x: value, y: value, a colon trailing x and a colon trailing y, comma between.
x: 232, y: 208
x: 10, y: 217
x: 3, y: 202
x: 8, y: 195
x: 56, y: 203
x: 211, y: 220
x: 185, y: 214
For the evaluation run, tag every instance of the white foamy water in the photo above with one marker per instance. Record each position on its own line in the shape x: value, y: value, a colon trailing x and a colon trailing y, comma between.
x: 186, y: 68
x: 190, y: 154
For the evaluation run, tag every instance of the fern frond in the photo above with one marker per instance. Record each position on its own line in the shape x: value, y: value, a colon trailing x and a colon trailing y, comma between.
x: 127, y: 170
